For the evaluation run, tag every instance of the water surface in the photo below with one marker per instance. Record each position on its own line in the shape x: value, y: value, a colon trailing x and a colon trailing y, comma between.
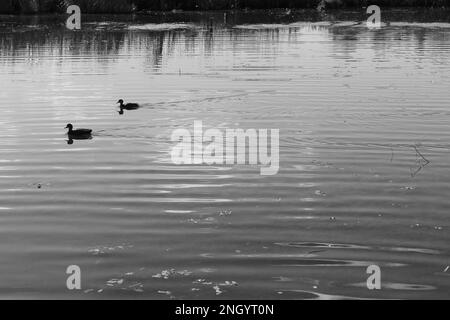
x: 364, y: 148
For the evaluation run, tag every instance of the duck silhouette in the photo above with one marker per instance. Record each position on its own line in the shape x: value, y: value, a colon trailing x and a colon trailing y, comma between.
x: 79, y: 134
x: 128, y: 106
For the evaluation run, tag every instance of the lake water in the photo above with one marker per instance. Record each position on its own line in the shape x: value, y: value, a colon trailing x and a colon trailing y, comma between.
x: 364, y: 179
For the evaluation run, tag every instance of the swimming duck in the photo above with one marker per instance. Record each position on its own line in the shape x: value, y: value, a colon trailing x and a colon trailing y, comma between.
x: 79, y: 133
x: 128, y: 106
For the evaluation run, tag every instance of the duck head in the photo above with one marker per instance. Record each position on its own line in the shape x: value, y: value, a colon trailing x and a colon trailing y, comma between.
x: 121, y: 106
x: 69, y: 126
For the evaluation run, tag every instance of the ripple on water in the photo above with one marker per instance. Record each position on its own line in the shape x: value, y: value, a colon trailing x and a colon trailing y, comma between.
x: 311, y: 295
x: 164, y: 27
x: 356, y: 247
x: 398, y: 286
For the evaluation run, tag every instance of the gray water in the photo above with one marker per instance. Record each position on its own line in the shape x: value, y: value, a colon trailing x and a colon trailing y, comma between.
x: 364, y: 179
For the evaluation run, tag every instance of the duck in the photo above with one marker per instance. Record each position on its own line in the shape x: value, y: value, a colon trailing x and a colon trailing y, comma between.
x: 128, y: 106
x: 79, y: 133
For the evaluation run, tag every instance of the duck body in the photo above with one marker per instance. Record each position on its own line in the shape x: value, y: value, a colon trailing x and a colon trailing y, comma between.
x: 130, y: 106
x: 79, y: 133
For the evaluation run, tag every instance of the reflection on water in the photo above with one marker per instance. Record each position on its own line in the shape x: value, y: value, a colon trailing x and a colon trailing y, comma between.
x: 364, y: 149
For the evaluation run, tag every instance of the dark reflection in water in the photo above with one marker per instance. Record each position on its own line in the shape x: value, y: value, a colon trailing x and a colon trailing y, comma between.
x: 72, y: 139
x: 109, y: 36
x: 355, y: 107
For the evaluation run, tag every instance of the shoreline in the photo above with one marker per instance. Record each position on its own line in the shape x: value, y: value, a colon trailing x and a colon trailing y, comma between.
x: 400, y: 14
x: 285, y: 11
x: 18, y: 7
x: 221, y: 18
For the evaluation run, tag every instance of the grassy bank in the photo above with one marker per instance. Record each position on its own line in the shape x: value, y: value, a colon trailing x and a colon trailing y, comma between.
x: 125, y: 6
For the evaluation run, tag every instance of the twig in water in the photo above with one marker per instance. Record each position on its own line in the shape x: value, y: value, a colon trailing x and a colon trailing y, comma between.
x: 422, y: 162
